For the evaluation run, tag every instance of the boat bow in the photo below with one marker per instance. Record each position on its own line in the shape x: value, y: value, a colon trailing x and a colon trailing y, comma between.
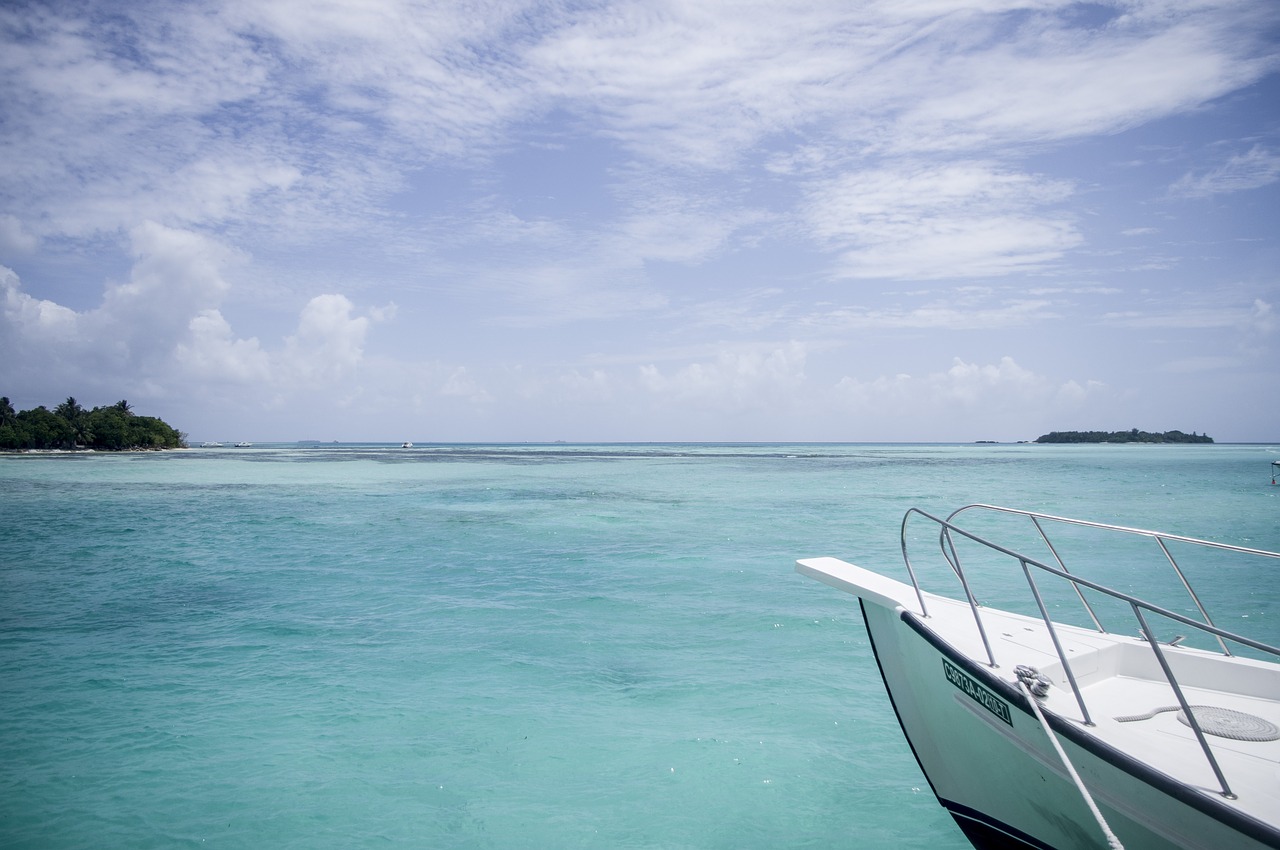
x: 1179, y: 744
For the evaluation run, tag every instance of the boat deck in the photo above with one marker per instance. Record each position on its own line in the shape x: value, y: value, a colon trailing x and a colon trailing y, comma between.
x: 1119, y: 676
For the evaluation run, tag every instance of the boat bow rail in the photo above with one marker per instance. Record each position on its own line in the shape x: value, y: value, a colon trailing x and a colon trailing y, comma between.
x: 952, y: 538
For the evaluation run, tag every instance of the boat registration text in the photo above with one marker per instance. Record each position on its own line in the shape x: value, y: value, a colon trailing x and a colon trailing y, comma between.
x: 976, y: 692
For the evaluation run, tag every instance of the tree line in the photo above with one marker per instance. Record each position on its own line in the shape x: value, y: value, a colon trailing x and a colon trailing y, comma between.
x: 1131, y: 436
x: 71, y: 426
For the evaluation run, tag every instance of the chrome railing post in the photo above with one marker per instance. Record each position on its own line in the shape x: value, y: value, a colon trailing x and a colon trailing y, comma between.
x: 1035, y: 520
x: 1057, y: 644
x: 954, y: 560
x: 1182, y: 700
x: 1194, y: 598
x: 924, y: 612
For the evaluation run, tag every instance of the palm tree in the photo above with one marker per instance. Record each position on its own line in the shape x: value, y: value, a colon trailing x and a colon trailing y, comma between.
x: 78, y: 418
x: 69, y: 409
x: 7, y: 414
x: 123, y: 407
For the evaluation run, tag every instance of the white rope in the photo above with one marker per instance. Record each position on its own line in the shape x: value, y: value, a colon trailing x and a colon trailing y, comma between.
x: 1112, y: 841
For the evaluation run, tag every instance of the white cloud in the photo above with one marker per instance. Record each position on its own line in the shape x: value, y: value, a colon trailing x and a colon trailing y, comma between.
x: 1259, y: 167
x: 734, y: 381
x: 675, y: 230
x: 14, y: 237
x: 1073, y: 394
x: 329, y: 342
x: 131, y: 336
x: 33, y: 320
x: 1191, y: 316
x: 922, y: 221
x: 884, y: 390
x: 97, y: 138
x: 163, y: 330
x: 211, y: 352
x: 975, y: 395
x: 460, y: 383
x: 173, y: 268
x: 1048, y: 79
x: 1263, y: 318
x: 657, y: 72
x: 938, y: 315
x: 176, y: 275
x: 971, y: 383
x: 1201, y: 365
x: 443, y: 78
x: 213, y: 113
x: 595, y: 385
x: 296, y: 116
x: 385, y: 313
x: 896, y: 77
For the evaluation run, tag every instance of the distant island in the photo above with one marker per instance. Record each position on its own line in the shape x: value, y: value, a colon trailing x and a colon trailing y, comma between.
x: 1131, y: 436
x: 69, y: 426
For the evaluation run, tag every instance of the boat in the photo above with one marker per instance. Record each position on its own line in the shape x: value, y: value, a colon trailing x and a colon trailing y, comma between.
x: 406, y: 445
x: 210, y: 444
x: 244, y: 445
x: 1049, y: 710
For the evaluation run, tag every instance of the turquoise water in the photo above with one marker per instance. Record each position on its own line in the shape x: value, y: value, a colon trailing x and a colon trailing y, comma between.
x: 505, y: 646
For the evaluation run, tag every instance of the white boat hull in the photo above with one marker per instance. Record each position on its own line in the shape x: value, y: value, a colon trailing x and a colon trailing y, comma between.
x: 1145, y: 744
x: 972, y: 734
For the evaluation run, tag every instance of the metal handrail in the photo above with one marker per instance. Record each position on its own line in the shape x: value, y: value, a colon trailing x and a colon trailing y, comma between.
x: 947, y: 528
x: 1159, y: 536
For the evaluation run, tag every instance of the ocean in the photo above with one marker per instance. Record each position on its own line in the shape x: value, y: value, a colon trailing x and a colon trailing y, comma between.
x: 506, y: 646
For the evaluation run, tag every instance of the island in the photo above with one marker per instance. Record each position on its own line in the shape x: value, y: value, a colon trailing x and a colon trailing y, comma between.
x: 70, y: 426
x: 1131, y: 436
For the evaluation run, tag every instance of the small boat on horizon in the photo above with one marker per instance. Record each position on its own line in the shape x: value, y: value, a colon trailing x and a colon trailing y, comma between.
x: 244, y: 445
x: 1052, y: 731
x: 406, y: 445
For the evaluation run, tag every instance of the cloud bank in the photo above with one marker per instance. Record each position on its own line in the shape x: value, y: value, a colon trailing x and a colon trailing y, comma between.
x: 486, y: 214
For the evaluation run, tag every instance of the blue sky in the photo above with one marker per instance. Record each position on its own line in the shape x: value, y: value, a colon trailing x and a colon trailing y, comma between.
x: 898, y: 220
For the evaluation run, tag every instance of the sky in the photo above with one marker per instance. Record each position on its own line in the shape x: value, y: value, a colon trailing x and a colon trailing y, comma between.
x: 855, y: 220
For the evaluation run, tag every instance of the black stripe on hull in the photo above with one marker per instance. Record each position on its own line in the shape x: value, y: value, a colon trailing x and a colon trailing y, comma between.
x: 987, y: 833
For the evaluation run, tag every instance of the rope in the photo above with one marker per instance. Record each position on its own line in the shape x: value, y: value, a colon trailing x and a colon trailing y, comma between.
x: 1134, y: 718
x: 1037, y: 682
x: 1223, y: 722
x: 1112, y: 841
